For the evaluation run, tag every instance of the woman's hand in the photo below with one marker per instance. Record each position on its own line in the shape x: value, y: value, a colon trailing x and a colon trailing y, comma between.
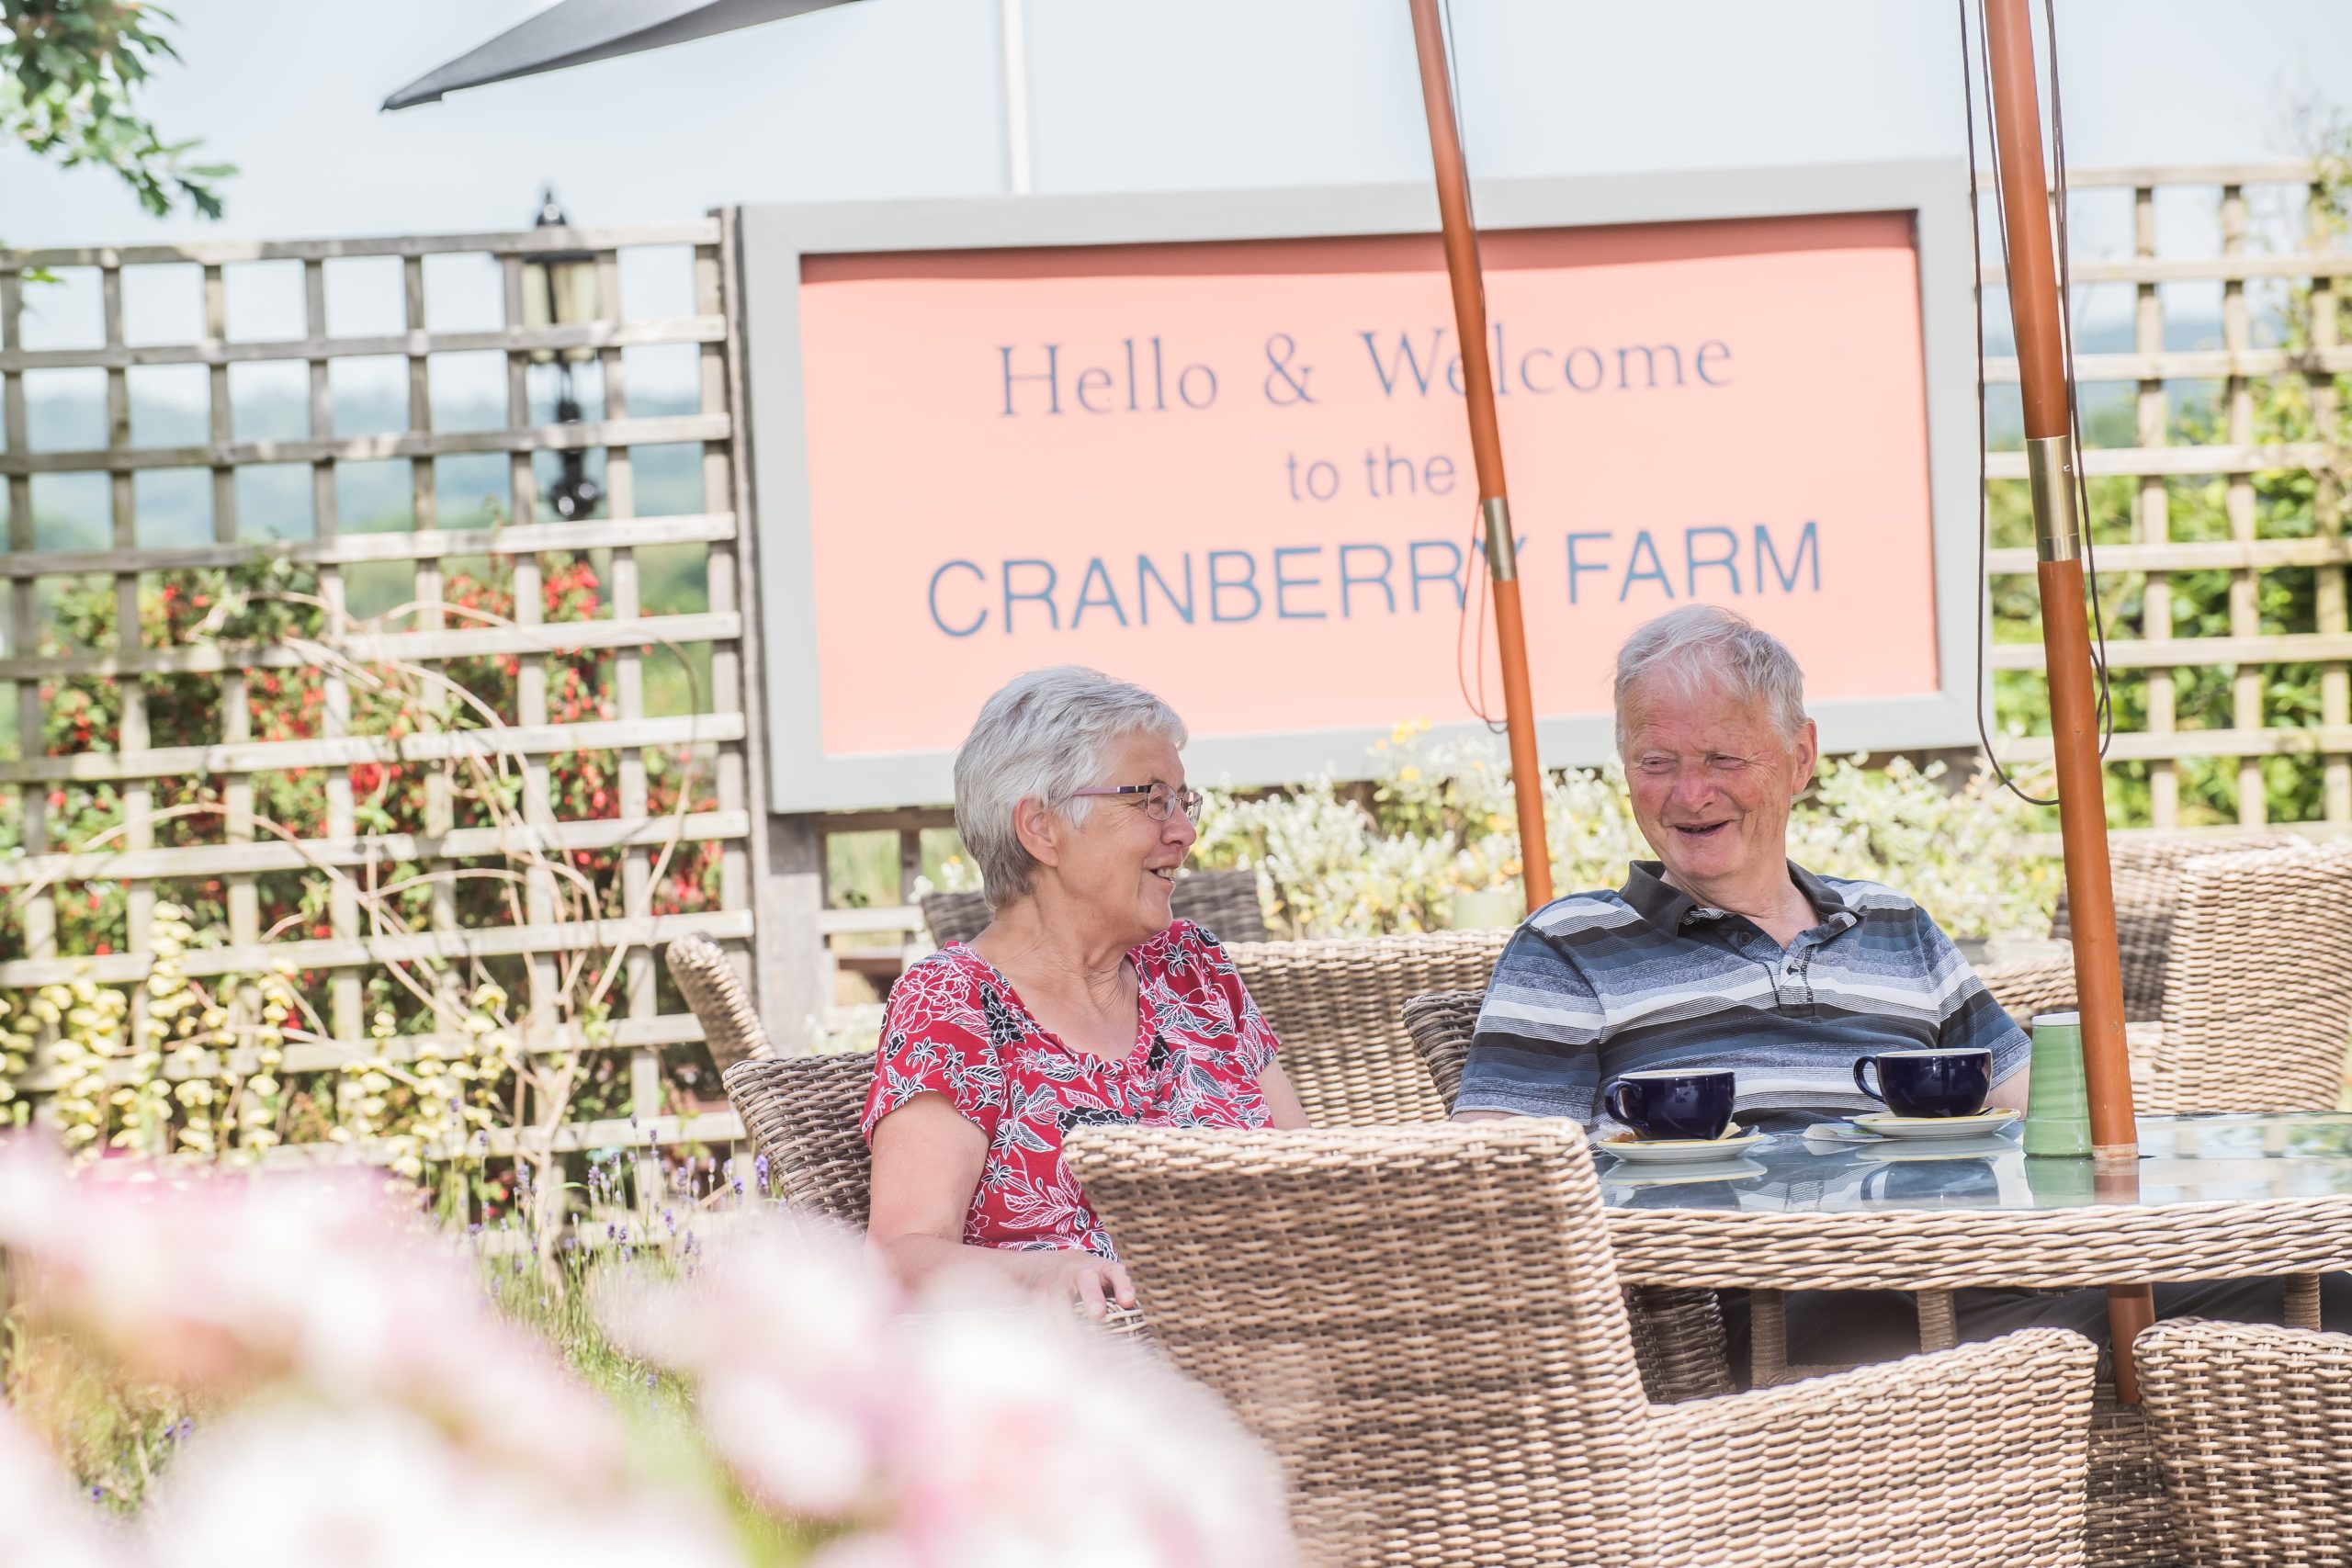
x: 1092, y: 1282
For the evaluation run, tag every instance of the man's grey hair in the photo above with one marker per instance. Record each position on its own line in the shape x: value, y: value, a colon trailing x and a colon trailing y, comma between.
x: 1702, y: 647
x: 1045, y: 736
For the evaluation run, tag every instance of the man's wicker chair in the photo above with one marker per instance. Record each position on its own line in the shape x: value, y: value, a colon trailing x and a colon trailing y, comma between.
x: 1336, y: 1006
x: 1424, y: 1325
x: 2255, y: 1004
x: 2252, y: 1433
x: 1223, y: 903
x: 2147, y: 870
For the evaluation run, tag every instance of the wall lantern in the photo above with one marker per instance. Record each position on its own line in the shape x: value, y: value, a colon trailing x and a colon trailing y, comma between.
x: 559, y: 290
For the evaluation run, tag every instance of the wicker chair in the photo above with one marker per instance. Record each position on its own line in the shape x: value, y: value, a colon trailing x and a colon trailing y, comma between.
x: 2252, y: 1433
x: 2147, y: 871
x: 802, y: 1112
x: 1224, y: 903
x: 1678, y: 1335
x: 1424, y: 1325
x: 2258, y: 991
x: 2028, y: 985
x: 1336, y: 1007
x: 707, y: 978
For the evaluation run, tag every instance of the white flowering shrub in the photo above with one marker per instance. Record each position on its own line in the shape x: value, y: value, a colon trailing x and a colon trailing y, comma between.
x: 1439, y: 819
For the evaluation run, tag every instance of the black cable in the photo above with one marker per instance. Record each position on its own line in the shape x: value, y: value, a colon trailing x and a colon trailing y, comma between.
x: 1968, y: 102
x: 1984, y: 507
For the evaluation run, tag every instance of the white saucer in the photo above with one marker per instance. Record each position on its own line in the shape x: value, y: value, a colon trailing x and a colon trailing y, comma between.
x: 1886, y: 1125
x: 1679, y: 1151
x: 1679, y: 1175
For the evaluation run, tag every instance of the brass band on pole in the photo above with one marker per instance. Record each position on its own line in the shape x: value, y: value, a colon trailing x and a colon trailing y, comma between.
x: 2057, y: 524
x: 1502, y: 550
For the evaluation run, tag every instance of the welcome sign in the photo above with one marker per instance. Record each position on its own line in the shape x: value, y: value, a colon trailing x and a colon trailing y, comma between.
x: 1180, y: 441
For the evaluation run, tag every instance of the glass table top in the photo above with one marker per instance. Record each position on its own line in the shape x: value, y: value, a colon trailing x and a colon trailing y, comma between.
x: 2183, y: 1160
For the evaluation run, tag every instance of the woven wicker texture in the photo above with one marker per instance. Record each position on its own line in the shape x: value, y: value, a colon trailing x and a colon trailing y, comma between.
x: 1338, y: 1006
x: 1947, y: 1249
x: 1678, y: 1334
x: 1223, y: 903
x: 2146, y: 871
x: 2252, y: 1428
x: 2031, y: 985
x: 1424, y: 1324
x: 706, y: 977
x: 802, y: 1112
x: 2257, y: 999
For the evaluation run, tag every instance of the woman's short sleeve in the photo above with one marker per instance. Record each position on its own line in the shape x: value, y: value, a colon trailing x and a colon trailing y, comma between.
x: 1253, y: 1038
x: 936, y: 1039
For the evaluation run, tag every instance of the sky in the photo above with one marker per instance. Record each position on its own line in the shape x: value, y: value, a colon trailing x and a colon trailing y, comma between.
x: 903, y: 98
x: 885, y: 99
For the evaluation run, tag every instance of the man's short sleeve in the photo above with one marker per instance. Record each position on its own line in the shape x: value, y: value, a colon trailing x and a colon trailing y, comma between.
x: 1972, y: 1020
x: 1537, y: 1048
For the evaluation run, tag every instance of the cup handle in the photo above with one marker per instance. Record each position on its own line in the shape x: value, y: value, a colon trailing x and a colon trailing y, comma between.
x: 1861, y: 1064
x: 1617, y: 1100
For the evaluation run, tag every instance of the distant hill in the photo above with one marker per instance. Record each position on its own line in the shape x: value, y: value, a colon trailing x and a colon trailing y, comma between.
x: 67, y: 411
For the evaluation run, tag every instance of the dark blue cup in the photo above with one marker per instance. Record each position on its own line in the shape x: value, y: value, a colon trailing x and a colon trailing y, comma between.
x: 1928, y: 1083
x: 1669, y: 1104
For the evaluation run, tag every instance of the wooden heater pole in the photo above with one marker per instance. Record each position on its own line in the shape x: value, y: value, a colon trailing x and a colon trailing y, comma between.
x: 2043, y: 368
x: 1486, y: 446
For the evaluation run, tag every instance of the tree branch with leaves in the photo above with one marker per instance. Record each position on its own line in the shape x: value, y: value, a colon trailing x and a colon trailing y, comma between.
x: 71, y: 72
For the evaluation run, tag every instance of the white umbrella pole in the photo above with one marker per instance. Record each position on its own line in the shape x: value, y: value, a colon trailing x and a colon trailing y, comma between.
x: 1018, y: 164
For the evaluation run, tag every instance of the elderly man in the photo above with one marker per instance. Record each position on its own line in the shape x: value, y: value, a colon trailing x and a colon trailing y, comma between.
x: 1721, y: 952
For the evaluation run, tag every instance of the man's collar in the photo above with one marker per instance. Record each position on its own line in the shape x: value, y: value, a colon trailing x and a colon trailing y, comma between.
x: 1667, y: 907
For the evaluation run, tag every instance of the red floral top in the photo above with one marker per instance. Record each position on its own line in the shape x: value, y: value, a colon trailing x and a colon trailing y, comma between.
x: 954, y: 1026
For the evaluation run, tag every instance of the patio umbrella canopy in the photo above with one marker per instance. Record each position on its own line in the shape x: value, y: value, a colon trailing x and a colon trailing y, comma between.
x: 577, y: 32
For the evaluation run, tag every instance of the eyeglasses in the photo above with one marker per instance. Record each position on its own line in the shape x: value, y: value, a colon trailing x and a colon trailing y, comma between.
x: 1157, y: 799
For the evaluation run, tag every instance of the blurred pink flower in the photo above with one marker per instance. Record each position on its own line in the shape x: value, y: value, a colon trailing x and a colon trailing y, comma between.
x: 227, y: 1282
x: 785, y: 1333
x: 971, y: 1426
x: 43, y: 1523
x: 304, y: 1486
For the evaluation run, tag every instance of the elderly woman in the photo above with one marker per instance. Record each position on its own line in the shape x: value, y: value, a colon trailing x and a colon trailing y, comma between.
x: 1083, y: 1002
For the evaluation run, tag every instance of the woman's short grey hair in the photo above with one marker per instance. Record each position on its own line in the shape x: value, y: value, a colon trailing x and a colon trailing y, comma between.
x: 1702, y: 647
x: 1046, y: 735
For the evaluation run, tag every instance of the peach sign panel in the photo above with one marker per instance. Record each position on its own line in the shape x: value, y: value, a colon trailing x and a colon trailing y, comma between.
x: 1239, y: 473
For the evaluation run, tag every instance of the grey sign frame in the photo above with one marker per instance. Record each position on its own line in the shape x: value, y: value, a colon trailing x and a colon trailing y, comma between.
x: 776, y: 237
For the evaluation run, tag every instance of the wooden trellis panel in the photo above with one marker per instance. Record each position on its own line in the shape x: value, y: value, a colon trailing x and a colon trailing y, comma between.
x: 240, y: 853
x: 2159, y: 654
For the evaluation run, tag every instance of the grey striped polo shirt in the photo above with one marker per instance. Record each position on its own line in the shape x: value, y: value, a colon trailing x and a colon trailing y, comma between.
x: 1598, y: 984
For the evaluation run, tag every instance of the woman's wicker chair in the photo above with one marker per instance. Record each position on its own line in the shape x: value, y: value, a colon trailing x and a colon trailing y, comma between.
x: 1223, y: 903
x: 1336, y: 1006
x: 801, y: 1112
x: 1424, y: 1324
x: 2252, y: 1432
x: 707, y: 978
